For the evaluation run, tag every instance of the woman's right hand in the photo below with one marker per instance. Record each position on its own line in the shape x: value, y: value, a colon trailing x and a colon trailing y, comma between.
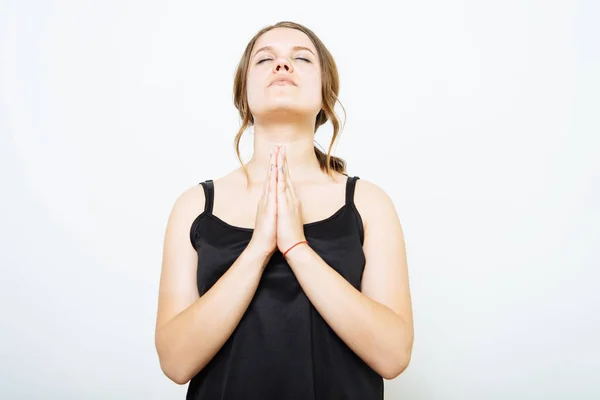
x: 264, y: 237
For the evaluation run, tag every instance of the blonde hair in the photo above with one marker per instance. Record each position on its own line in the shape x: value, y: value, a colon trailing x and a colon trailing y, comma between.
x: 329, y: 88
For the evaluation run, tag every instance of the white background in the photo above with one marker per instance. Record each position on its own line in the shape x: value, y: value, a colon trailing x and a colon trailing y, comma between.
x: 480, y: 119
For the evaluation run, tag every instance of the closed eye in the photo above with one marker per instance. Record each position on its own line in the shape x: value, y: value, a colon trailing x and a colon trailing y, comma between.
x: 297, y: 58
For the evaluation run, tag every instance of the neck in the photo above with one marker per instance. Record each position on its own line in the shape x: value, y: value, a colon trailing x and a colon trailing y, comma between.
x: 298, y: 138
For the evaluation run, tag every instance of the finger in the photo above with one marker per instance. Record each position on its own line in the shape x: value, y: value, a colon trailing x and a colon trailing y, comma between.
x: 273, y: 178
x: 288, y: 178
x: 287, y: 188
x: 280, y: 174
x: 268, y: 178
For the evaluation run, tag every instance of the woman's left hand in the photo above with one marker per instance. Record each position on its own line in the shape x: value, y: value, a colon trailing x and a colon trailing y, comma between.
x: 290, y: 228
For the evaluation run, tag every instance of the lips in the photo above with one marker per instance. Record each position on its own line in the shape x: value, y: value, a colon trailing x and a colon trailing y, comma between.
x: 282, y: 81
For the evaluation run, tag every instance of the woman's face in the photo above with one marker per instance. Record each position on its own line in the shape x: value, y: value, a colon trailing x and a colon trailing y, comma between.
x: 284, y: 53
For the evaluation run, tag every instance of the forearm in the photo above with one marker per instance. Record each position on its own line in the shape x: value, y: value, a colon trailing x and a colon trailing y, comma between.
x: 373, y: 331
x: 191, y: 339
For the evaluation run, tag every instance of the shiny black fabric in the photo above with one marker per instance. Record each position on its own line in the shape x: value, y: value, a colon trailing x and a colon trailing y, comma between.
x: 282, y: 349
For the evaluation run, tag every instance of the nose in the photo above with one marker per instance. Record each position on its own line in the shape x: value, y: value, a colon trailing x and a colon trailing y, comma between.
x: 282, y: 63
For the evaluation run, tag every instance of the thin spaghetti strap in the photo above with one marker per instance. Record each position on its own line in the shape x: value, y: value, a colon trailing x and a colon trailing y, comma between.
x: 350, y: 185
x: 209, y: 194
x: 350, y: 189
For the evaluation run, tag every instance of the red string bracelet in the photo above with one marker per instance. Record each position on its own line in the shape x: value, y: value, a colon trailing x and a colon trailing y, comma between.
x: 304, y: 241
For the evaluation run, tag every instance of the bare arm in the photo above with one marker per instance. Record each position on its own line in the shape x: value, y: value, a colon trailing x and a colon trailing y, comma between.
x: 190, y: 329
x: 375, y: 322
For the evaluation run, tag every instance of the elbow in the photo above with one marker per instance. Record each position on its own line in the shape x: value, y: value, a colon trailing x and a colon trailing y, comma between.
x: 179, y: 379
x: 170, y: 367
x: 396, y: 367
x: 174, y: 374
x: 398, y: 360
x: 393, y: 373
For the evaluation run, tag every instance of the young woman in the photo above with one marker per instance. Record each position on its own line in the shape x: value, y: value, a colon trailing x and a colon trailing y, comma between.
x: 286, y: 278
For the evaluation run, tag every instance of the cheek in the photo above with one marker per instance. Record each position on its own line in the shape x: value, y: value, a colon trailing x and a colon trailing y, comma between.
x: 255, y: 92
x: 315, y: 89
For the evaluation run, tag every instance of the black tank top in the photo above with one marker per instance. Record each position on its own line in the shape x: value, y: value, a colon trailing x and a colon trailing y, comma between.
x: 282, y: 349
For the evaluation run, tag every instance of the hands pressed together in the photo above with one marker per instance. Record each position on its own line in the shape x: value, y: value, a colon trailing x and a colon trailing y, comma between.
x: 279, y: 222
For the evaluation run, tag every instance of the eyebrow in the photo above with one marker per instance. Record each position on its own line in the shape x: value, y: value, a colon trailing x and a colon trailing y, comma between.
x: 271, y: 48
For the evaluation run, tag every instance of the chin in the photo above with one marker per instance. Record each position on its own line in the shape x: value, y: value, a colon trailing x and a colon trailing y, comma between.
x: 286, y: 108
x: 284, y: 113
x: 283, y: 108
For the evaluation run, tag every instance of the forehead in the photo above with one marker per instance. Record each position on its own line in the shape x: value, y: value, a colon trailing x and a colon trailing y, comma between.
x: 282, y: 39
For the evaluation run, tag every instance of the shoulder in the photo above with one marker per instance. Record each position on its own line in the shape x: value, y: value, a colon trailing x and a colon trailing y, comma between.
x: 373, y: 202
x: 188, y: 204
x: 369, y: 194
